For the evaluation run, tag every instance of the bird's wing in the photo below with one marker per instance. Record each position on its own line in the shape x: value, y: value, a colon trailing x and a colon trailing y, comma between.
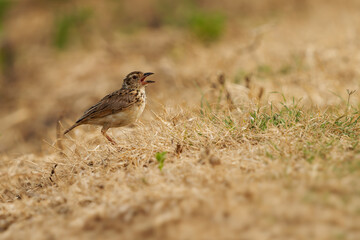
x: 110, y: 104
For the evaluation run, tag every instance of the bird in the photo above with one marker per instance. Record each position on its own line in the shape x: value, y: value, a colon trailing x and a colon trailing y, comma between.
x: 119, y: 108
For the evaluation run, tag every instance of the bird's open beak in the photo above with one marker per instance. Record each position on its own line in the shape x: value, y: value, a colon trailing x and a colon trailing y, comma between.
x: 145, y: 76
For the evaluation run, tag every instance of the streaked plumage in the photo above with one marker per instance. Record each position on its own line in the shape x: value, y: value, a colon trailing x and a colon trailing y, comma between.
x: 119, y: 108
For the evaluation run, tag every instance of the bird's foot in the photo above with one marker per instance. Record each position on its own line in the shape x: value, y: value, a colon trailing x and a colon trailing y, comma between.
x: 112, y: 141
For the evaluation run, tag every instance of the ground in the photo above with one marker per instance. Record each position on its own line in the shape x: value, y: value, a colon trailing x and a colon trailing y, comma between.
x: 252, y: 134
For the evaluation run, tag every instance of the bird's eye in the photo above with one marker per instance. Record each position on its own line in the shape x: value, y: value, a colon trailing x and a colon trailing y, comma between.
x: 134, y: 77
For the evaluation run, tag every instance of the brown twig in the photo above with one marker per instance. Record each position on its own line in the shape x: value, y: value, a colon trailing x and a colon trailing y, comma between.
x: 52, y: 172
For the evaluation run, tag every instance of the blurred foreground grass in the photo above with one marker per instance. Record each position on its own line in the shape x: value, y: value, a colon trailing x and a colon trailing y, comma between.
x: 276, y: 166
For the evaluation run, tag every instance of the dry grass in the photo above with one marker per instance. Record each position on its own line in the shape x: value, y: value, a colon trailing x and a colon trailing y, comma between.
x: 260, y: 132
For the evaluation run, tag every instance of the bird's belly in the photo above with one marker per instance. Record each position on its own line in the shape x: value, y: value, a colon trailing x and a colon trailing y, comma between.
x: 125, y: 117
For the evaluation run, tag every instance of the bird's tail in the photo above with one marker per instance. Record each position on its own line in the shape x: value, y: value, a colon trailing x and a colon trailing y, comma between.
x: 71, y: 128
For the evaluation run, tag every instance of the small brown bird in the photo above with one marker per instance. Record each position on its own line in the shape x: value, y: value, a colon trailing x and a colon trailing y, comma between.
x: 119, y: 108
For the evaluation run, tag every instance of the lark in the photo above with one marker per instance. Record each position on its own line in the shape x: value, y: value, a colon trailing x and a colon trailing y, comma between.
x: 119, y: 108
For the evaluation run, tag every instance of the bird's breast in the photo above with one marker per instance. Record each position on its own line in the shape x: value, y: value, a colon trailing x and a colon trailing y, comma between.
x: 129, y: 115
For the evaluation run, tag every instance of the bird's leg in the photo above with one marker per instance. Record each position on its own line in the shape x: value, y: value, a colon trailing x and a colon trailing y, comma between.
x: 103, y: 131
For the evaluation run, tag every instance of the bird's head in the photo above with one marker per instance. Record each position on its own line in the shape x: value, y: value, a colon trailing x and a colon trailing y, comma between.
x: 135, y: 80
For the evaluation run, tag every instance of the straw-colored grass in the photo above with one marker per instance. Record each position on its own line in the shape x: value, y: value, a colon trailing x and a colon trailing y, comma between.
x: 261, y: 134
